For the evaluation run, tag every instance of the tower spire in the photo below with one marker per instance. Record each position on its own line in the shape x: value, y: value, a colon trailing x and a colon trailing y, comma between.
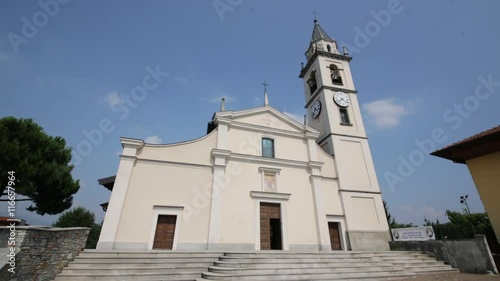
x: 319, y: 33
x: 266, y: 99
x: 223, y: 104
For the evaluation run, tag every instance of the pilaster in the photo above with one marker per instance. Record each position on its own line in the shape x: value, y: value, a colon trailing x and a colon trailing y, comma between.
x: 113, y: 214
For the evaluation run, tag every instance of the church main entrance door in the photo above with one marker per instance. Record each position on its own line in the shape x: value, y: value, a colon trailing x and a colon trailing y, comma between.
x: 270, y: 226
x: 165, y: 230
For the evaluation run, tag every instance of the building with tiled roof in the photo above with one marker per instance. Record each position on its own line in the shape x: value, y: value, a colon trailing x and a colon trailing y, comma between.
x: 481, y: 154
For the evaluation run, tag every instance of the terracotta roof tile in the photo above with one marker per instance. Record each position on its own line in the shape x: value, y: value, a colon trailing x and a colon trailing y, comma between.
x: 474, y: 146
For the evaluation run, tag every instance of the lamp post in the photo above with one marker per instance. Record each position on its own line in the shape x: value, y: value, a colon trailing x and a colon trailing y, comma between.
x: 463, y: 200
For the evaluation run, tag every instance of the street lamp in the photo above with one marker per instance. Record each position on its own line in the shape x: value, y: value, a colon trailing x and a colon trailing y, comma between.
x: 463, y: 200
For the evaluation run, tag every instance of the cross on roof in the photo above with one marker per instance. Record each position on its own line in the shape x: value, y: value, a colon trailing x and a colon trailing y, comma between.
x: 265, y: 85
x: 315, y: 14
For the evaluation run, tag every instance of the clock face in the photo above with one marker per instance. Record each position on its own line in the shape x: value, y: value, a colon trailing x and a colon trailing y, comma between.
x: 342, y: 99
x: 315, y: 108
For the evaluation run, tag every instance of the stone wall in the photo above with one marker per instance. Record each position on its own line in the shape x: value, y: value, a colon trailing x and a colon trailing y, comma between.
x: 468, y: 255
x: 41, y: 252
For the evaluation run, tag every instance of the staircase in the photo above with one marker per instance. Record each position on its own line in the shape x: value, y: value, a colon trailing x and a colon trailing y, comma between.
x: 262, y: 265
x: 147, y: 265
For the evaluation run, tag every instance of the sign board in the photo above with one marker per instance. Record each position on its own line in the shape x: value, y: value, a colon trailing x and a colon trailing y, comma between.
x: 413, y: 234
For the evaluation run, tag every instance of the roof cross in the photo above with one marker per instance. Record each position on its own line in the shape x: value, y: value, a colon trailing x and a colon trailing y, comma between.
x: 265, y: 85
x: 315, y: 14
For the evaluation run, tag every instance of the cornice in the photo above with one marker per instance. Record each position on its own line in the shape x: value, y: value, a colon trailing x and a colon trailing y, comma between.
x: 270, y: 195
x: 132, y: 143
x: 257, y: 128
x: 265, y: 160
x: 325, y: 54
x: 360, y: 191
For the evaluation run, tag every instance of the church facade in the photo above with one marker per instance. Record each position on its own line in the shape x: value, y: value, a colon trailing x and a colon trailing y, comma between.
x: 259, y: 180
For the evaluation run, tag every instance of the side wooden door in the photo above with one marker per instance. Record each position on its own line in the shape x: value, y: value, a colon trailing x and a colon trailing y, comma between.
x: 165, y: 231
x: 333, y: 228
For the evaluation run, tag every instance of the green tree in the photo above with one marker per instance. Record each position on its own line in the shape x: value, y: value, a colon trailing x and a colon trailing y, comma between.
x: 41, y: 166
x: 392, y: 221
x: 81, y: 217
x: 463, y: 225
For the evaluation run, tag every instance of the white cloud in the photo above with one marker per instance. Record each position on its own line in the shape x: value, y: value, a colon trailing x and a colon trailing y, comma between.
x: 46, y: 80
x: 219, y: 98
x: 387, y: 113
x: 153, y: 140
x: 181, y: 79
x: 297, y: 117
x: 113, y: 99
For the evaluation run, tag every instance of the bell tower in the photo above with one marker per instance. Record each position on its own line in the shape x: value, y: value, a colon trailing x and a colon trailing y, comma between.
x: 333, y: 110
x: 331, y: 98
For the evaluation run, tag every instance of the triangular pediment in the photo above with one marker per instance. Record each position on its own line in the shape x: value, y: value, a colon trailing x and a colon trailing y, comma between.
x: 265, y: 116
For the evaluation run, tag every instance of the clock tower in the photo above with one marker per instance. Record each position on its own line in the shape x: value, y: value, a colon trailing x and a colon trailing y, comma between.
x: 333, y: 110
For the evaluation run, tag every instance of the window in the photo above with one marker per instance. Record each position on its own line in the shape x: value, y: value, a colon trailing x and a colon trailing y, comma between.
x: 344, y: 117
x: 312, y: 82
x: 335, y: 74
x: 267, y: 148
x: 329, y: 48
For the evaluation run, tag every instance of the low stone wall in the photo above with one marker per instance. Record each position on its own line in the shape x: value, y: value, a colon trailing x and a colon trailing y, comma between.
x: 40, y: 252
x: 468, y: 255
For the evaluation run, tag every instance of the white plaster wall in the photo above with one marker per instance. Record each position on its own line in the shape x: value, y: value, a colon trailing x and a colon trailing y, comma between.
x: 302, y: 219
x: 331, y: 198
x: 238, y: 214
x: 328, y: 169
x: 195, y: 151
x: 364, y: 212
x: 322, y: 122
x: 357, y: 128
x: 267, y: 120
x: 166, y: 185
x: 250, y: 142
x: 355, y: 164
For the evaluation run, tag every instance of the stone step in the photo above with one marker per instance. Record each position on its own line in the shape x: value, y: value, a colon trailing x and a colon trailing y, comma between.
x: 144, y: 260
x: 386, y: 275
x: 286, y: 264
x: 128, y: 271
x: 435, y: 269
x: 329, y: 253
x: 140, y: 256
x: 152, y: 252
x: 251, y: 265
x: 264, y: 259
x: 295, y: 270
x: 292, y: 259
x: 280, y: 252
x: 144, y: 265
x: 131, y: 277
x: 336, y: 256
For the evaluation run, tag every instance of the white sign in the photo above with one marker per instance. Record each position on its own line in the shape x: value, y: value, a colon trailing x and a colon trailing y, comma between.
x: 413, y: 234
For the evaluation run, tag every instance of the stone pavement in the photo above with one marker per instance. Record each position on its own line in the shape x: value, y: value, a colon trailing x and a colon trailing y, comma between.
x: 454, y: 277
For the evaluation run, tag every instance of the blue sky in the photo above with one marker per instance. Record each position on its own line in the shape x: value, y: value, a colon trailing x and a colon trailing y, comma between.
x: 416, y: 73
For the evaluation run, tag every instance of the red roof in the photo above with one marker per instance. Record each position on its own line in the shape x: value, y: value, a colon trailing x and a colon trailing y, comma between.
x: 478, y: 145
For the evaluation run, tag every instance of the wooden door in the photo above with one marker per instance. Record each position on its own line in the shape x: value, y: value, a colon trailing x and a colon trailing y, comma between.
x: 268, y: 211
x: 333, y: 228
x: 165, y: 230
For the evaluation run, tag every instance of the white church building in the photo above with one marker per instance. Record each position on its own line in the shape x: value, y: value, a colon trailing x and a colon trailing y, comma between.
x: 259, y: 180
